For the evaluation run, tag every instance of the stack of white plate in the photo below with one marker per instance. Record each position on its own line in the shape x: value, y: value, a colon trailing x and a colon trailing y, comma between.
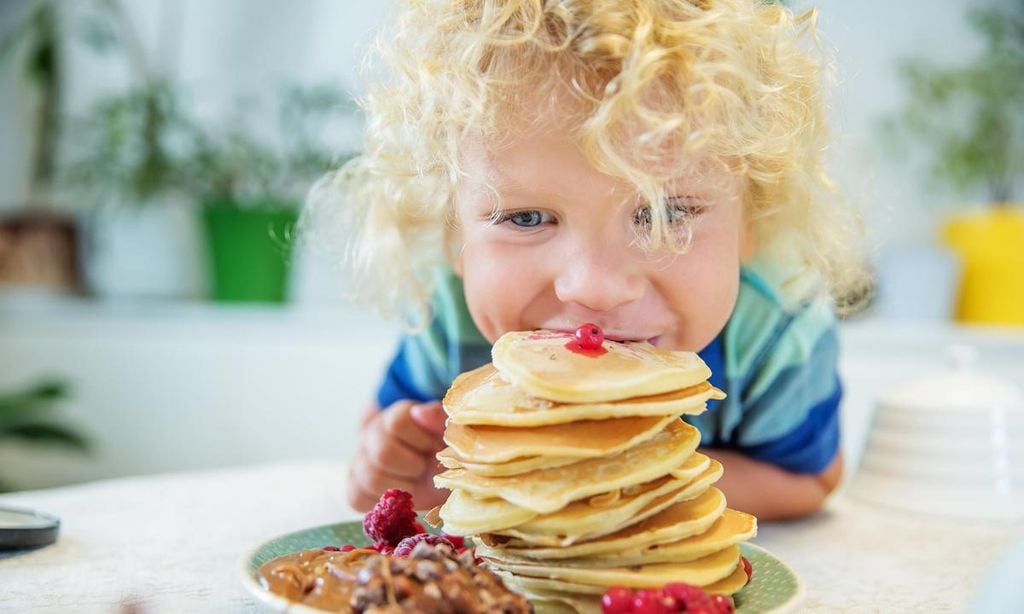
x: 951, y: 443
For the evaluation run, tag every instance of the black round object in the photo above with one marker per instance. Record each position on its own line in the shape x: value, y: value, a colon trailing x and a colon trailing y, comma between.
x: 21, y: 528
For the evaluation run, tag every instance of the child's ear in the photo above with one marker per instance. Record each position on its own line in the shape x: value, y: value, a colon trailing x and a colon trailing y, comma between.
x: 748, y: 241
x: 453, y: 249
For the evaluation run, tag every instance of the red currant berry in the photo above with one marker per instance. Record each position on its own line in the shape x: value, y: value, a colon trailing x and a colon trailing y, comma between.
x: 347, y: 548
x: 589, y: 336
x: 331, y: 549
x: 723, y: 604
x: 457, y: 541
x: 617, y: 600
x: 747, y: 568
x: 383, y: 548
x: 687, y: 597
x: 648, y: 601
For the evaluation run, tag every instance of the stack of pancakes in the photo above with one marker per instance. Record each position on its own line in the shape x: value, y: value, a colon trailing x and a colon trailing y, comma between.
x: 573, y: 471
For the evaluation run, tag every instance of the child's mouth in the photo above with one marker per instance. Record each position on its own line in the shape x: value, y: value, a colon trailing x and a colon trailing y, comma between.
x: 622, y: 337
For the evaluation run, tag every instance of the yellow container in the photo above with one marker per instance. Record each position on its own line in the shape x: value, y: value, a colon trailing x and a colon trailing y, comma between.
x: 991, y: 247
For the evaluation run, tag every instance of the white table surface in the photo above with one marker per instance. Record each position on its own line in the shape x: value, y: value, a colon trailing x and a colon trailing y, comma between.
x: 173, y: 543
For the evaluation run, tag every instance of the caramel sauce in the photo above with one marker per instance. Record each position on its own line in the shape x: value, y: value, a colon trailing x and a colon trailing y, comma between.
x: 318, y: 578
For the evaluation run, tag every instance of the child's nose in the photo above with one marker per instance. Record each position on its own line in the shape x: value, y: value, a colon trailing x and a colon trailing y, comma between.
x: 598, y: 280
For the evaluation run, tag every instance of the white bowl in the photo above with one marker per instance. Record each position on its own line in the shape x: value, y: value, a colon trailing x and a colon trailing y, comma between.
x: 950, y: 444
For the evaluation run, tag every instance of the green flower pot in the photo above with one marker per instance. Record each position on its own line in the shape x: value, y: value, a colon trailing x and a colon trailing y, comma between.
x: 250, y: 248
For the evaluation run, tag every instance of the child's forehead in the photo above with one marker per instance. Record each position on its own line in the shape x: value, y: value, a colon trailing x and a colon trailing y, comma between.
x: 521, y: 145
x: 537, y: 162
x: 554, y: 113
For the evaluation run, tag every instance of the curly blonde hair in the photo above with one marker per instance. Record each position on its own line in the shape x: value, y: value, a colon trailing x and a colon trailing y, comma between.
x: 732, y: 79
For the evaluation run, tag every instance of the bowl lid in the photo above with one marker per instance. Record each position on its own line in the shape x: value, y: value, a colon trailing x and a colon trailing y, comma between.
x: 957, y: 387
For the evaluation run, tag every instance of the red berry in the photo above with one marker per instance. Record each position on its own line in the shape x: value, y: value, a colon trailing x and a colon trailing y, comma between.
x: 617, y: 600
x: 382, y: 548
x: 419, y: 528
x: 331, y: 549
x: 747, y: 568
x: 404, y: 547
x: 589, y: 336
x: 392, y: 519
x: 457, y: 541
x: 687, y: 597
x: 724, y: 604
x: 347, y: 548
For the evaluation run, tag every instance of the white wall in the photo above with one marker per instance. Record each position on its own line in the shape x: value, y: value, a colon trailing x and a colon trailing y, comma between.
x: 869, y: 38
x: 217, y: 50
x: 179, y: 387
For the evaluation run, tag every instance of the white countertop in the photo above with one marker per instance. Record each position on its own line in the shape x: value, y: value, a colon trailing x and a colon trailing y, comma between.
x: 174, y: 543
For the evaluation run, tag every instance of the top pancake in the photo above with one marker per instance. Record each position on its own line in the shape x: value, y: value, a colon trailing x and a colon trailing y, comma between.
x: 539, y: 363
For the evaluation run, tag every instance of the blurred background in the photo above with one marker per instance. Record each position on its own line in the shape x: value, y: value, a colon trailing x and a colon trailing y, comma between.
x: 156, y: 314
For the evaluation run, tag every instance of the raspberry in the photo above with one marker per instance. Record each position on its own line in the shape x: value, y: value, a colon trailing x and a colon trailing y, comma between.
x: 747, y: 568
x: 617, y: 600
x: 404, y: 547
x: 392, y: 519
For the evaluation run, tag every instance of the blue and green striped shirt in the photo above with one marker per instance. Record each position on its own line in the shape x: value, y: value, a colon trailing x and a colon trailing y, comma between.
x: 775, y: 361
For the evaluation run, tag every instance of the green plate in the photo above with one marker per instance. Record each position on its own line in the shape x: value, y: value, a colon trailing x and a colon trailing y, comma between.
x: 775, y: 587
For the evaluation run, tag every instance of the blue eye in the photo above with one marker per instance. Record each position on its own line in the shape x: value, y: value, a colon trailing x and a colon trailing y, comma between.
x: 526, y: 219
x: 677, y: 208
x: 529, y: 218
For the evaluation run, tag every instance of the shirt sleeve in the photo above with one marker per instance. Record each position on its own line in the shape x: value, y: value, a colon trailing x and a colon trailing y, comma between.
x: 791, y: 403
x: 414, y: 373
x: 426, y: 363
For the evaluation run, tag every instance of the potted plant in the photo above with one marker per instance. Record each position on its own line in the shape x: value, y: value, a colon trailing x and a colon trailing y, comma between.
x: 251, y: 185
x: 38, y: 239
x: 972, y: 116
x: 127, y: 163
x: 27, y: 416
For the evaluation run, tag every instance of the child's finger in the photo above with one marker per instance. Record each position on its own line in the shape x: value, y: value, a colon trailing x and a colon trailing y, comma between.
x: 398, y: 458
x: 372, y: 479
x: 360, y: 500
x: 398, y: 423
x: 430, y: 416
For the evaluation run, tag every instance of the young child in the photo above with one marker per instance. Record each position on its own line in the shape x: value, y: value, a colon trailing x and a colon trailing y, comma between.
x: 651, y: 166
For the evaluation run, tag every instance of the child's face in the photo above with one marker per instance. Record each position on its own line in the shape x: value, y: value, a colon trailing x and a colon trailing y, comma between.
x: 563, y: 249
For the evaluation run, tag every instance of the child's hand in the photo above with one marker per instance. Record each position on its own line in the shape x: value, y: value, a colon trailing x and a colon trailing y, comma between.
x: 396, y: 450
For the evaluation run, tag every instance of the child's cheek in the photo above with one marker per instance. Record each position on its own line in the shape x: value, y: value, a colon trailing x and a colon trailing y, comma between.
x: 499, y: 283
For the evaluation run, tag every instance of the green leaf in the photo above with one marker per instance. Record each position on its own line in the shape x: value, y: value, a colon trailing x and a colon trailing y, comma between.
x: 35, y: 396
x: 971, y: 116
x: 43, y: 433
x: 30, y: 404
